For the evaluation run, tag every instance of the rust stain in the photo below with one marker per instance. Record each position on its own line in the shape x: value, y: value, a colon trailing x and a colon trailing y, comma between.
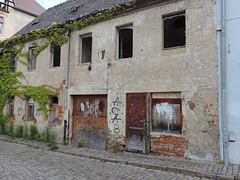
x: 191, y: 105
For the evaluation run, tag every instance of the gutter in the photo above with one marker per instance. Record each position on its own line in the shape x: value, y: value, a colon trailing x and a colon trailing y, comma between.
x: 222, y: 87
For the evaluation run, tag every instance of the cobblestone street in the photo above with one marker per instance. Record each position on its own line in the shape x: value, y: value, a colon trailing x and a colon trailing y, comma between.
x: 23, y: 162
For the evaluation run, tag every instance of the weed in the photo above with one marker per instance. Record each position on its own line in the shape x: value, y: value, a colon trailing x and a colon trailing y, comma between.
x: 46, y: 134
x: 33, y: 131
x: 221, y: 162
x: 25, y: 136
x: 3, y: 127
x: 64, y: 142
x: 19, y: 131
x: 10, y: 130
x: 52, y: 137
x: 81, y: 142
x: 49, y: 144
x: 37, y: 137
x: 53, y: 147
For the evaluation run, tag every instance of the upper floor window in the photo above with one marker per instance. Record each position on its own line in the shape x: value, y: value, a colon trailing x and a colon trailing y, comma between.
x: 1, y: 25
x: 33, y: 59
x: 86, y: 49
x: 125, y: 42
x: 56, y: 55
x: 174, y: 30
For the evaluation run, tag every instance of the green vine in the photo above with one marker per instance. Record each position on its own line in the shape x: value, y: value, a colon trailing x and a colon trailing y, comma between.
x: 10, y: 84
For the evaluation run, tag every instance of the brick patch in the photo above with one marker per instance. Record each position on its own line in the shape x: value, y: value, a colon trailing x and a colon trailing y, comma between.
x: 168, y: 145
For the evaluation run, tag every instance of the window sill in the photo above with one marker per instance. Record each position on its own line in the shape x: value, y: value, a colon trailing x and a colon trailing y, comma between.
x: 85, y: 64
x: 158, y: 134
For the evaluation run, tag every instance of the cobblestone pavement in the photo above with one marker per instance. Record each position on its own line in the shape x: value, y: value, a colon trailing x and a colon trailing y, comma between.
x: 18, y: 161
x: 200, y: 169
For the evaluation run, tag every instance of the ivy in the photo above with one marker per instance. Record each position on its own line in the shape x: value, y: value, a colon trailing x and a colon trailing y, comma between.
x: 10, y: 84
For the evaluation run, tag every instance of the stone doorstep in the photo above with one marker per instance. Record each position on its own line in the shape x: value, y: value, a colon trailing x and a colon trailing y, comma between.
x: 177, y: 170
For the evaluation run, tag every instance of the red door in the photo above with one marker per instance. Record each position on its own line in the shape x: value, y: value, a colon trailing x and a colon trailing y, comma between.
x: 136, y: 120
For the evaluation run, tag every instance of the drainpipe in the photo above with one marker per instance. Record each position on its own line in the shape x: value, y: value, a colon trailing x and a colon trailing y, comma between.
x: 222, y: 90
x: 67, y: 76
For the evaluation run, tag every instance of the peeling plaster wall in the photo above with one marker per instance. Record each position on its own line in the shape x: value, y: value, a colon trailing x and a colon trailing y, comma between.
x: 191, y: 71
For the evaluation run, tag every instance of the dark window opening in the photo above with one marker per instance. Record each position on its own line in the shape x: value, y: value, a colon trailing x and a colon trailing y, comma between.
x: 53, y: 114
x: 14, y: 68
x: 30, y: 111
x: 33, y: 60
x: 125, y: 43
x: 101, y: 106
x: 86, y: 49
x: 56, y: 55
x: 174, y: 31
x: 167, y: 116
x: 11, y: 108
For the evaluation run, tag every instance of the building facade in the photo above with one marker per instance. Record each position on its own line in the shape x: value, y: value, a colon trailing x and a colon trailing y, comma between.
x: 15, y: 14
x: 145, y: 80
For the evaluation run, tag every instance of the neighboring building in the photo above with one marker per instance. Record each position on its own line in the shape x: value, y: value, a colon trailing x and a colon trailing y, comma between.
x: 15, y: 14
x: 146, y: 79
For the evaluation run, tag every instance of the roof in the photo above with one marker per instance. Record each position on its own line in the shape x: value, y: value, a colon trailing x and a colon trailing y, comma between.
x: 75, y: 9
x: 30, y: 6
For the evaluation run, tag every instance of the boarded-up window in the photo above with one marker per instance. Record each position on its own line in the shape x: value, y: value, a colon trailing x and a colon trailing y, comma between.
x: 53, y: 114
x: 174, y: 31
x: 86, y: 49
x: 125, y: 46
x: 33, y: 59
x: 167, y: 115
x: 56, y: 55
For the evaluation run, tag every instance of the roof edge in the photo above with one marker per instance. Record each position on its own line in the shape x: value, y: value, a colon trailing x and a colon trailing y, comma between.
x: 25, y: 11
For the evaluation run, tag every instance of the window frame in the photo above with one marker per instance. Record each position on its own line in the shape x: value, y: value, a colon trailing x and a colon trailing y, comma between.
x: 31, y: 54
x: 30, y: 117
x: 171, y: 15
x: 173, y: 98
x: 128, y: 26
x: 54, y: 110
x: 1, y: 24
x: 11, y: 108
x: 85, y: 36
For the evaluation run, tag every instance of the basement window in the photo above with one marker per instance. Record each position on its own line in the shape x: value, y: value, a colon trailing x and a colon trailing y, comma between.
x: 174, y: 31
x: 56, y: 55
x: 53, y: 114
x: 33, y: 59
x: 166, y: 114
x: 86, y: 49
x: 125, y: 42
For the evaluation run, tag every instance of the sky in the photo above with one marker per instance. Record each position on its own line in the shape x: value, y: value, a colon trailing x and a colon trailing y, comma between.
x: 49, y: 3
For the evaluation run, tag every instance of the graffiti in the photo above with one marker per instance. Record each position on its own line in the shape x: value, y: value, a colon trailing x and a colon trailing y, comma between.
x: 116, y: 129
x: 116, y: 102
x: 116, y: 115
x: 115, y: 111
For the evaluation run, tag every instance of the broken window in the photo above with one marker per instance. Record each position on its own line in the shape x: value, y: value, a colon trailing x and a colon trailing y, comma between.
x: 166, y: 115
x: 33, y: 59
x: 56, y: 55
x: 125, y: 40
x: 174, y: 31
x: 1, y: 25
x: 11, y: 108
x: 30, y: 110
x: 53, y: 114
x: 86, y: 55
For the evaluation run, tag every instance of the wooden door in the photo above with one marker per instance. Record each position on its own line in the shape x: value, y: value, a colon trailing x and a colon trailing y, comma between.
x: 136, y: 120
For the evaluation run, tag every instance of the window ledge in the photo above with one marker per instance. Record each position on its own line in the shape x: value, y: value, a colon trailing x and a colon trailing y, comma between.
x: 157, y: 134
x: 176, y: 47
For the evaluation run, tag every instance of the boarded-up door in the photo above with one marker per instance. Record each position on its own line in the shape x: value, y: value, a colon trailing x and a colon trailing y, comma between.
x: 90, y: 120
x: 136, y: 120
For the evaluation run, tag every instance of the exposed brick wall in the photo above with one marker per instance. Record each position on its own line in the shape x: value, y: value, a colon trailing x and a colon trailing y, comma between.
x: 168, y: 145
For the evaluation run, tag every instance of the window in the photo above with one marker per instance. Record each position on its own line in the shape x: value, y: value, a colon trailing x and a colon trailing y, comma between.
x: 30, y: 110
x: 1, y: 25
x: 174, y: 31
x: 14, y: 68
x: 167, y: 113
x: 11, y: 108
x: 125, y: 42
x: 33, y: 59
x: 56, y: 55
x: 53, y: 114
x: 86, y: 55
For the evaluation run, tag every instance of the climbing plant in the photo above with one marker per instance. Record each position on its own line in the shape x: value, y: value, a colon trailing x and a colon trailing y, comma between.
x: 10, y: 84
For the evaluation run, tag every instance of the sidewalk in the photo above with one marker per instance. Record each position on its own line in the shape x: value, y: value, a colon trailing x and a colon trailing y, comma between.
x: 202, y: 169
